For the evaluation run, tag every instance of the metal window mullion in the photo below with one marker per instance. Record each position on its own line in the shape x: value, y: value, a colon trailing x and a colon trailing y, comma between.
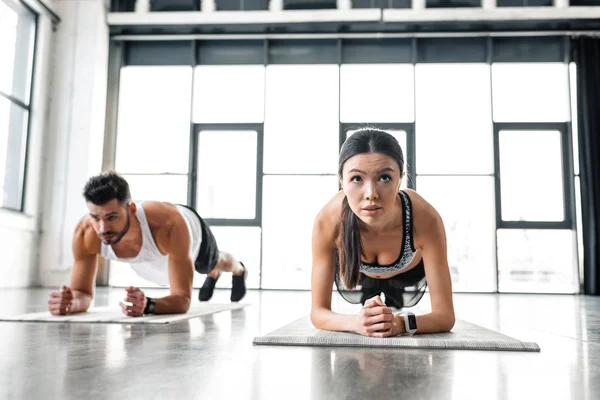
x: 111, y: 119
x: 497, y: 185
x: 411, y: 158
x: 233, y: 222
x: 23, y: 178
x: 154, y: 173
x: 568, y: 176
x: 13, y: 99
x: 341, y: 131
x: 259, y: 178
x: 412, y: 144
x: 535, y: 225
x: 260, y: 170
x: 496, y: 168
x: 298, y: 174
x: 571, y: 165
x: 458, y: 175
x: 194, y: 138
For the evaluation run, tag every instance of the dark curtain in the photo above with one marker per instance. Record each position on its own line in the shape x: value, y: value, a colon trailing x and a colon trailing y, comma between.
x: 586, y: 54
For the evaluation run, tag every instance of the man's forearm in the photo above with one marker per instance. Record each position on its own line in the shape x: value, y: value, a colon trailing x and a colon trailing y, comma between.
x: 81, y: 302
x: 172, y: 304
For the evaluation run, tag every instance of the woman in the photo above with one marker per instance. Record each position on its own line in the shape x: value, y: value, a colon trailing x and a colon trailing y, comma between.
x: 373, y: 238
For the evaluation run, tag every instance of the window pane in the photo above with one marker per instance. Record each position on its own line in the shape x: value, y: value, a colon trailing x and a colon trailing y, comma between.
x: 287, y: 227
x: 244, y: 244
x: 228, y: 93
x: 17, y: 36
x: 154, y: 120
x: 454, y: 122
x: 531, y: 176
x: 170, y: 188
x: 13, y: 140
x: 470, y: 224
x: 302, y: 122
x: 530, y: 92
x: 223, y: 155
x: 537, y: 261
x: 377, y: 93
x: 401, y: 138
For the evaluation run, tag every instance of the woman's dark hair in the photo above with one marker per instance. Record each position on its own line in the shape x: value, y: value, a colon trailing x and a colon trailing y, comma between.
x: 101, y: 189
x: 367, y: 140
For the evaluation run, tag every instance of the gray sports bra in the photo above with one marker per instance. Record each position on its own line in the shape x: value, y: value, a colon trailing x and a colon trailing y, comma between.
x: 407, y: 251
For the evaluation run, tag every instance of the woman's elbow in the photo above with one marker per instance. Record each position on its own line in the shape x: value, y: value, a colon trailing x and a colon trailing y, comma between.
x: 316, y: 317
x: 447, y: 323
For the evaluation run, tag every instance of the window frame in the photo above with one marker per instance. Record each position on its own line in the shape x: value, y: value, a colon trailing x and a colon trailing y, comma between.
x: 24, y: 157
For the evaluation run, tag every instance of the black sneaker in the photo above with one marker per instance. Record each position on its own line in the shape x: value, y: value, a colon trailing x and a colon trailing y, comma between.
x: 238, y: 285
x: 207, y: 289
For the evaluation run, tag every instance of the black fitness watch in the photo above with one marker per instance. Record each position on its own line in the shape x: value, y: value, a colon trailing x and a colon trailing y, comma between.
x: 150, y: 305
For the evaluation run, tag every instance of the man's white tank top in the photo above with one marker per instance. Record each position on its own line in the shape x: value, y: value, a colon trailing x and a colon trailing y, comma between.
x: 150, y: 264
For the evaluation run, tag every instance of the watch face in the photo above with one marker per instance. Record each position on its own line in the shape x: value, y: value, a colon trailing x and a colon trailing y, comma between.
x: 412, y: 321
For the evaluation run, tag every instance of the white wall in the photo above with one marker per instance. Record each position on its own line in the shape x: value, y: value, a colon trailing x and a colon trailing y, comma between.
x: 19, y: 236
x: 76, y: 129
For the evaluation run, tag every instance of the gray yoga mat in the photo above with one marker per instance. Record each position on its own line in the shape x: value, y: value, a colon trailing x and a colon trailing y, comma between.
x: 113, y: 315
x: 464, y: 335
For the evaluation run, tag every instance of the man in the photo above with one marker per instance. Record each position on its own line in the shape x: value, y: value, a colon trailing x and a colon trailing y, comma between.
x: 164, y: 243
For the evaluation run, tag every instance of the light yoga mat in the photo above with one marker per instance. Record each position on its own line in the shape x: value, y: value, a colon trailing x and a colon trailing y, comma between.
x: 464, y: 335
x: 114, y: 315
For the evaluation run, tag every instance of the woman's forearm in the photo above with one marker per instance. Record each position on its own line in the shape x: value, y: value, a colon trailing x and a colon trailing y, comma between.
x: 433, y: 323
x: 323, y: 318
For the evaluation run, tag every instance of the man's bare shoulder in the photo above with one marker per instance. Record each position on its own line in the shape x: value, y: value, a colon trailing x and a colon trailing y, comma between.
x: 85, y: 239
x: 169, y: 227
x: 161, y: 215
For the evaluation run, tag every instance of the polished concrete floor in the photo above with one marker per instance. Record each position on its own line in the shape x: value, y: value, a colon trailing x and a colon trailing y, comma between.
x: 212, y: 357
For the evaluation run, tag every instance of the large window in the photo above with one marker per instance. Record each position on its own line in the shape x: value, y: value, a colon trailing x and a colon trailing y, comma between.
x: 300, y: 166
x: 250, y: 138
x: 454, y: 142
x: 153, y: 131
x: 153, y: 135
x: 228, y: 115
x: 17, y: 38
x: 382, y: 96
x: 535, y: 211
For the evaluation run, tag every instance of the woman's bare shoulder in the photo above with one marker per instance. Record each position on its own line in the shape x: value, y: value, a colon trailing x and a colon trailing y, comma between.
x: 327, y: 220
x: 425, y: 216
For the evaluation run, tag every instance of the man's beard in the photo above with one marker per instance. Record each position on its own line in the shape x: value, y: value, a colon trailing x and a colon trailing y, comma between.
x: 119, y: 235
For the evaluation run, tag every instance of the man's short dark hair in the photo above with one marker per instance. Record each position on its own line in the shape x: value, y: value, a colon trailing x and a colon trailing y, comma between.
x: 101, y: 189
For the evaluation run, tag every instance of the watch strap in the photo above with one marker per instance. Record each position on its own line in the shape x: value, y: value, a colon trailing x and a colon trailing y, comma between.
x: 150, y: 305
